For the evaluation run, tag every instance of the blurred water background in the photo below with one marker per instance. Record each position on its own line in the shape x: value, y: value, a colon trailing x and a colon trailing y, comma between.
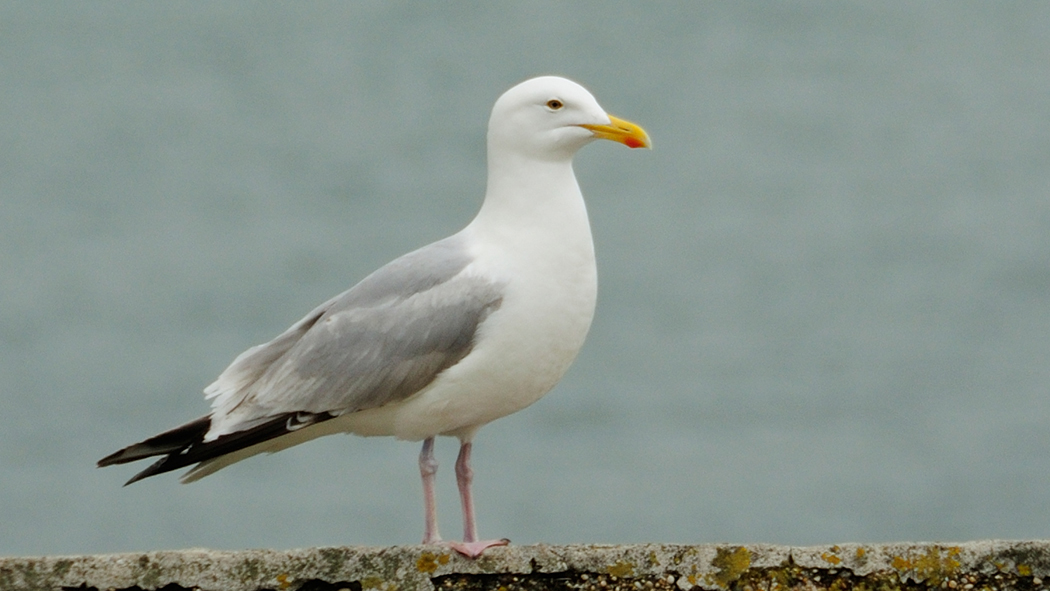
x: 824, y: 312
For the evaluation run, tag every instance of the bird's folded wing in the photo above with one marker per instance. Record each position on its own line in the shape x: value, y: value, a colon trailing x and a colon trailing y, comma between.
x: 380, y: 342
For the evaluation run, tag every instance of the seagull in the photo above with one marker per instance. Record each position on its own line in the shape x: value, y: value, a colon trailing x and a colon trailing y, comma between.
x: 442, y: 340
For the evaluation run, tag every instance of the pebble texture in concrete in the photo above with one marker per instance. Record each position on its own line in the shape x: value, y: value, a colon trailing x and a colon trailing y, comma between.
x: 972, y: 566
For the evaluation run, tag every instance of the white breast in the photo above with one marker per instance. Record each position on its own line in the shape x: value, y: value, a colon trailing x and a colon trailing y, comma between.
x: 544, y: 255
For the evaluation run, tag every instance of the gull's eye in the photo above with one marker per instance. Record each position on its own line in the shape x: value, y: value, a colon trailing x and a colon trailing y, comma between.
x: 554, y: 104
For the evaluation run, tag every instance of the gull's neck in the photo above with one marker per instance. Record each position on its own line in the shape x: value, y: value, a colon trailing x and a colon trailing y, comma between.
x: 534, y: 196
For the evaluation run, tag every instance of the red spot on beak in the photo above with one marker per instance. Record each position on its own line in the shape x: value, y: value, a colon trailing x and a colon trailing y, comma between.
x: 630, y: 142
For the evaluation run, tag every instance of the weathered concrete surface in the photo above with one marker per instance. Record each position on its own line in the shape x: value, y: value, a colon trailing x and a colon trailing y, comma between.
x: 973, y: 566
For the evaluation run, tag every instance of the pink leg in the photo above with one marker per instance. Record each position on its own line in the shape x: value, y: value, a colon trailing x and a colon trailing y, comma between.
x: 428, y: 469
x: 471, y: 547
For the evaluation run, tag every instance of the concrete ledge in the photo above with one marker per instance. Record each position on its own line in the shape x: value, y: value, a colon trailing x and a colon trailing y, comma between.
x: 972, y: 566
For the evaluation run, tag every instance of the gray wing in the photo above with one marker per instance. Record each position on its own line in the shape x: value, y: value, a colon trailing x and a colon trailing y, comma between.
x: 380, y: 342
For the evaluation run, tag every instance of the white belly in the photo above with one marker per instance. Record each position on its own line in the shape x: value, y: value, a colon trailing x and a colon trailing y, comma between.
x: 522, y: 349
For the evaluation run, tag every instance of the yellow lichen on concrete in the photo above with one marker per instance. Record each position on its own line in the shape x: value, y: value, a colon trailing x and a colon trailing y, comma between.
x: 621, y: 569
x: 931, y: 567
x: 731, y: 564
x: 428, y: 562
x: 831, y: 557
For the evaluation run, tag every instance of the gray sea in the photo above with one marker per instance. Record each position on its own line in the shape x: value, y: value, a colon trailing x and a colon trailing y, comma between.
x: 824, y: 311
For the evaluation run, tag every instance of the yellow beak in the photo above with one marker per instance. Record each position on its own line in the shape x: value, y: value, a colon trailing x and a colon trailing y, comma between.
x: 621, y: 131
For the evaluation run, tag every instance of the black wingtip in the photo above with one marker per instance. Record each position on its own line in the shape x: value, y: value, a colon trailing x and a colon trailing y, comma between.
x: 169, y: 442
x: 111, y: 460
x: 154, y: 469
x: 185, y: 445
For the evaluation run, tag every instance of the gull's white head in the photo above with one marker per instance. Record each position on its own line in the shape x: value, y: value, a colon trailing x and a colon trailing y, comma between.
x: 550, y: 118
